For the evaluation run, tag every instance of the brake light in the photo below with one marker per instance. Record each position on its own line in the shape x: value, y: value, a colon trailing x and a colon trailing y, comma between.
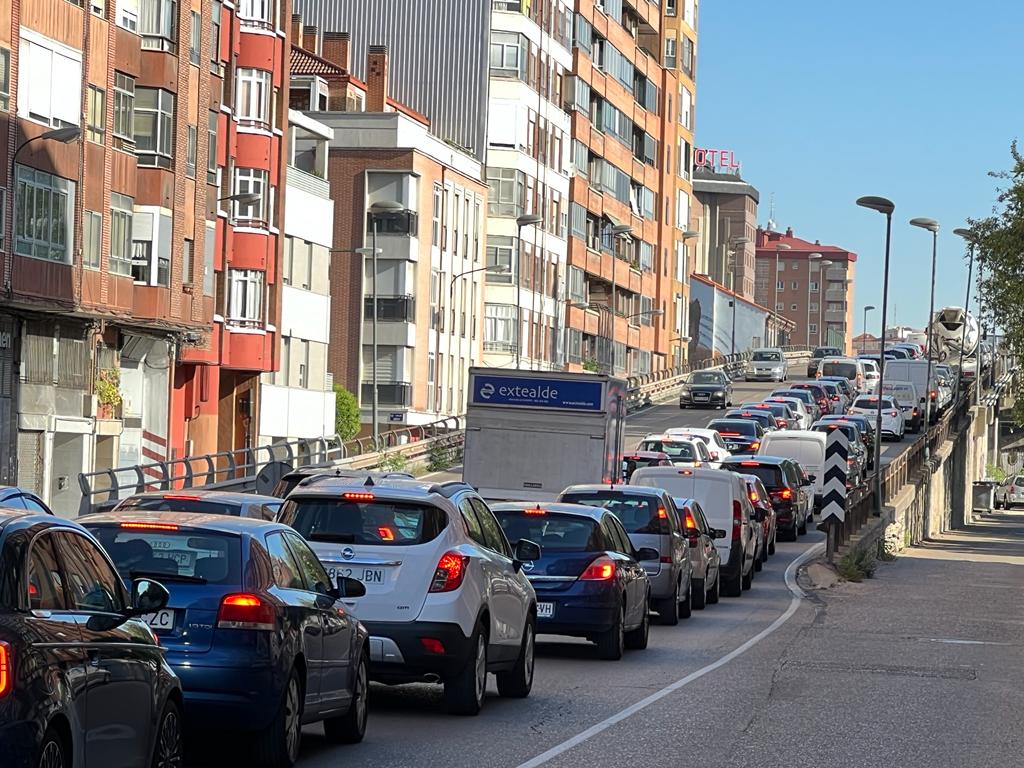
x: 689, y: 523
x: 685, y: 472
x: 245, y: 611
x: 780, y: 422
x: 385, y: 533
x: 535, y: 511
x: 6, y: 671
x: 602, y: 569
x: 729, y: 434
x: 753, y: 496
x: 755, y: 445
x: 180, y: 497
x: 662, y: 514
x: 835, y: 397
x: 934, y: 394
x: 150, y: 526
x: 737, y: 519
x: 749, y: 464
x: 892, y: 413
x: 357, y: 496
x: 432, y: 645
x: 666, y: 559
x: 450, y: 572
x: 785, y: 494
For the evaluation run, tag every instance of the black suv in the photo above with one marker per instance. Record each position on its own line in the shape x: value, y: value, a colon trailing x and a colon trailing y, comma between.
x: 69, y: 631
x: 782, y: 479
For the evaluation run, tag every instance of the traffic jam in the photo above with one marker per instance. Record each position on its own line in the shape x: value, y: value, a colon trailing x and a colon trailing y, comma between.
x: 130, y: 635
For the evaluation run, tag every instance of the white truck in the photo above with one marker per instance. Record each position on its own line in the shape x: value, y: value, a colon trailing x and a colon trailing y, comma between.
x: 531, y: 434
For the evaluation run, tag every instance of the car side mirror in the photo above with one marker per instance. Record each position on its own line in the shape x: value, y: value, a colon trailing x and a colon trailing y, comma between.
x: 760, y: 515
x: 349, y: 587
x: 148, y: 596
x: 806, y: 481
x: 720, y: 533
x: 648, y: 553
x: 527, y: 550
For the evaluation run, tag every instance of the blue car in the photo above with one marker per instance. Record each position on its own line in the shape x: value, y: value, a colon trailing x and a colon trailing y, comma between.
x: 589, y: 580
x: 253, y: 628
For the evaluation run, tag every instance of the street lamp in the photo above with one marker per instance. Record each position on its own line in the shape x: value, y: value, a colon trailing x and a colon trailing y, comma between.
x: 967, y: 235
x: 885, y: 207
x: 647, y: 313
x: 932, y: 226
x: 688, y: 234
x: 863, y: 341
x: 775, y: 305
x: 526, y: 220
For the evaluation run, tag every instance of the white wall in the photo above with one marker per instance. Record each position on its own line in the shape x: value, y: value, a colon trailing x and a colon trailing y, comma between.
x: 305, y: 314
x: 308, y: 216
x: 293, y: 413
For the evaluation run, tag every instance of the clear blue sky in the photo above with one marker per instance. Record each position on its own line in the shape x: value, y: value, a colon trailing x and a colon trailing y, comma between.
x: 825, y: 101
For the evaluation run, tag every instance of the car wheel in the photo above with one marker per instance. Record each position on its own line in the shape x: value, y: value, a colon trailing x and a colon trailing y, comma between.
x: 517, y: 682
x: 802, y: 530
x: 733, y: 586
x: 169, y: 749
x: 278, y: 745
x: 698, y: 594
x: 758, y: 560
x: 686, y: 605
x: 351, y: 727
x: 52, y: 753
x: 612, y: 642
x: 764, y: 553
x: 748, y: 580
x: 464, y: 691
x: 636, y: 639
x: 668, y: 609
x: 716, y: 589
x: 771, y: 546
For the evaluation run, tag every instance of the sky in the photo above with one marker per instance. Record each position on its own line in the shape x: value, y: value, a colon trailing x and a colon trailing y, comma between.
x: 824, y: 101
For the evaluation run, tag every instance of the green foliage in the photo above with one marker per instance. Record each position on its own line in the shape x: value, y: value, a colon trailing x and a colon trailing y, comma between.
x: 108, y: 387
x: 857, y: 565
x: 346, y: 413
x: 590, y: 364
x: 996, y: 472
x: 393, y: 462
x: 442, y: 455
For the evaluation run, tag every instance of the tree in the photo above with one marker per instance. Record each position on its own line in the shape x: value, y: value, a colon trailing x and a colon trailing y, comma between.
x: 346, y: 413
x: 999, y: 254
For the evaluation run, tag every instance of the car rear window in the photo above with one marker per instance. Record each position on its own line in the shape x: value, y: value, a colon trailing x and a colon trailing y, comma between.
x: 637, y: 513
x: 739, y: 426
x: 768, y: 474
x: 762, y: 418
x: 175, y: 503
x: 849, y: 431
x: 553, y: 531
x: 872, y: 403
x: 846, y: 370
x: 212, y: 558
x: 363, y: 521
x: 678, y: 451
x: 800, y: 394
x: 766, y: 357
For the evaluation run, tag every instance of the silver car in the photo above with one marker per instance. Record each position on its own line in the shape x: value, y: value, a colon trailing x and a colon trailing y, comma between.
x: 704, y: 558
x: 767, y: 364
x: 1010, y: 493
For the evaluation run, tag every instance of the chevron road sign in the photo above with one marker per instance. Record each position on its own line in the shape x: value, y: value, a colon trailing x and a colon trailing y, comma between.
x: 833, y: 500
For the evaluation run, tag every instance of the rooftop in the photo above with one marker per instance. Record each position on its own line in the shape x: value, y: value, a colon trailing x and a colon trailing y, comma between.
x: 798, y: 247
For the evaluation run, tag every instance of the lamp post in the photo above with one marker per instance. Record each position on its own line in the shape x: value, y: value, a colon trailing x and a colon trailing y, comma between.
x: 885, y: 207
x: 822, y: 341
x: 863, y: 341
x: 526, y: 220
x: 775, y: 305
x: 932, y: 226
x: 967, y: 235
x: 618, y: 231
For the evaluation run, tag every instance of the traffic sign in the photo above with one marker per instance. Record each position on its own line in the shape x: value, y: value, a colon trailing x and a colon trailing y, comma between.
x: 833, y: 499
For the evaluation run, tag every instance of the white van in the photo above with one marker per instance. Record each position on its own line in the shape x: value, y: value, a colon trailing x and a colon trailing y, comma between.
x: 916, y: 372
x: 905, y: 393
x: 723, y: 497
x: 849, y: 368
x: 804, y: 447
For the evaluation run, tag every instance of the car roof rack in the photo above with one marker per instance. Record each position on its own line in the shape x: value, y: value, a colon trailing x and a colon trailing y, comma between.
x: 449, y: 488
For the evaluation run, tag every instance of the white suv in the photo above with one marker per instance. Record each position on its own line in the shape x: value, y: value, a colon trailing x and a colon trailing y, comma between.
x: 446, y: 597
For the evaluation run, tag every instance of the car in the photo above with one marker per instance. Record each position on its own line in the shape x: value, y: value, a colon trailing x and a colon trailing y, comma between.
x: 716, y: 446
x: 231, y: 503
x: 865, y: 426
x: 292, y: 478
x: 821, y: 395
x: 835, y: 396
x: 705, y: 562
x: 898, y: 353
x: 83, y: 680
x: 816, y: 357
x: 13, y: 497
x: 741, y: 435
x: 1010, y: 493
x: 763, y: 417
x: 706, y: 388
x: 810, y: 401
x: 911, y: 402
x: 789, y: 491
x: 261, y: 639
x: 844, y: 387
x: 652, y: 523
x: 872, y: 375
x: 913, y: 350
x: 764, y: 513
x: 850, y: 368
x: 446, y: 597
x: 681, y: 451
x: 726, y: 504
x: 766, y: 364
x: 893, y: 424
x: 917, y: 372
x: 857, y: 460
x: 634, y: 459
x: 797, y: 405
x: 589, y: 579
x: 804, y: 447
x: 783, y: 414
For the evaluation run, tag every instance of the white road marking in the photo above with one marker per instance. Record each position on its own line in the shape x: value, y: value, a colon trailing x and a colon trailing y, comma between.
x: 960, y: 642
x: 794, y: 603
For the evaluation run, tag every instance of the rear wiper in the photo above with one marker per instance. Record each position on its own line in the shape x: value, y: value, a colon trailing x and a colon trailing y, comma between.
x: 162, y: 576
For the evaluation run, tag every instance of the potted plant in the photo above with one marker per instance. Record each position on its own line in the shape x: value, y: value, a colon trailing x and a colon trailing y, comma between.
x: 108, y: 392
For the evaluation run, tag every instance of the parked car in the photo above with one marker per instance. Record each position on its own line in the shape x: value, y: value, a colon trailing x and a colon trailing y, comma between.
x: 892, y: 417
x: 261, y: 638
x: 911, y: 402
x: 821, y: 395
x: 1010, y: 493
x: 807, y: 449
x: 589, y: 579
x: 811, y: 403
x: 716, y: 446
x: 292, y: 478
x: 706, y: 388
x: 681, y: 451
x: 446, y: 597
x: 652, y: 523
x: 634, y: 459
x: 723, y: 497
x: 791, y: 498
x: 797, y: 405
x: 83, y: 680
x: 231, y: 503
x: 816, y: 357
x: 764, y: 513
x: 13, y: 497
x: 768, y: 364
x: 705, y: 562
x: 856, y: 460
x: 783, y: 414
x: 865, y: 426
x: 765, y: 418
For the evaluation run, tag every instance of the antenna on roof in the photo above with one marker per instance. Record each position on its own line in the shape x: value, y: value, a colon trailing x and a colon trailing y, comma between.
x: 771, y: 212
x: 369, y: 482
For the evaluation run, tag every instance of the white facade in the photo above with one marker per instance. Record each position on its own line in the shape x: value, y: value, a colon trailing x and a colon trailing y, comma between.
x: 297, y: 400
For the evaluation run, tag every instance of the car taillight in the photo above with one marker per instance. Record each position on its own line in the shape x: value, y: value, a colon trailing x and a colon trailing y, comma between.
x: 892, y: 413
x: 755, y: 445
x: 934, y: 394
x: 450, y: 572
x: 6, y: 669
x: 785, y: 494
x: 688, y: 522
x: 835, y: 397
x: 737, y: 519
x: 780, y: 422
x: 602, y: 569
x: 666, y: 559
x: 245, y: 611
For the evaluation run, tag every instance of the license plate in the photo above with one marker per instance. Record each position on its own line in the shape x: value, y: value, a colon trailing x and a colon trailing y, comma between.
x: 702, y: 396
x: 365, y: 575
x: 545, y: 610
x: 160, y: 620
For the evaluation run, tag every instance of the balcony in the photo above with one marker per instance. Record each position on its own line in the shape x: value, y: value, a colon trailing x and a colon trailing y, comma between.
x: 389, y: 393
x: 398, y: 223
x: 391, y: 309
x: 308, y: 182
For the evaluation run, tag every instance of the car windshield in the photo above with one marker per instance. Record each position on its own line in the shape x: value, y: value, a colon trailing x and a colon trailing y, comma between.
x: 205, y: 557
x: 766, y: 357
x: 734, y: 427
x: 707, y: 377
x: 768, y: 474
x: 678, y: 451
x: 553, y: 531
x: 179, y: 503
x: 846, y: 370
x: 638, y: 514
x: 361, y: 520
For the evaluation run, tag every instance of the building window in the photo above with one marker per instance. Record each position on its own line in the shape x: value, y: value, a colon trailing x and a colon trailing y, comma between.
x: 435, y: 294
x: 431, y: 366
x: 120, y: 234
x: 128, y: 14
x: 812, y: 328
x: 5, y: 79
x: 499, y: 327
x: 158, y: 24
x: 154, y: 127
x: 670, y: 53
x: 195, y: 38
x: 246, y: 297
x: 685, y: 107
x: 435, y: 220
x: 670, y: 7
x: 795, y: 285
x: 813, y: 307
x: 686, y: 63
x: 186, y: 263
x: 256, y: 13
x: 142, y: 258
x: 506, y: 55
x: 190, y: 152
x: 780, y: 286
x: 500, y: 253
x: 209, y: 275
x: 124, y: 111
x: 793, y: 307
x: 251, y: 180
x: 50, y: 88
x: 211, y: 156
x: 43, y: 215
x: 92, y: 238
x: 215, y: 12
x: 252, y: 102
x: 96, y: 114
x: 506, y: 192
x: 814, y: 286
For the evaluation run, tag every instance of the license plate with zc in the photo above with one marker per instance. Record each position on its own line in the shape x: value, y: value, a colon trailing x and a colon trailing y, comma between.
x: 366, y: 575
x: 545, y: 610
x: 161, y: 620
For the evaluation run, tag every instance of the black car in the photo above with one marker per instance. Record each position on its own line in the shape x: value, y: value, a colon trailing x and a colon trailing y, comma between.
x: 818, y: 355
x: 704, y: 389
x: 783, y: 480
x: 740, y: 435
x: 866, y: 425
x: 83, y: 681
x: 765, y: 418
x: 18, y: 498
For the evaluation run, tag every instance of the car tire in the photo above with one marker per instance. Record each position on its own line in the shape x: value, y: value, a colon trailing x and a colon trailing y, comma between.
x: 765, y: 551
x: 748, y: 580
x: 611, y: 643
x: 53, y: 752
x: 686, y: 606
x: 698, y: 594
x: 733, y: 586
x: 716, y: 589
x: 464, y: 691
x: 278, y: 745
x: 170, y: 743
x: 517, y: 682
x: 636, y: 639
x: 350, y: 728
x: 668, y: 609
x: 775, y: 538
x: 802, y: 530
x: 758, y: 561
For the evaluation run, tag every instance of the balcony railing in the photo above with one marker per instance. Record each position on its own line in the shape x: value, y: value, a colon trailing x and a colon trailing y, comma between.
x: 391, y: 309
x: 388, y: 393
x: 307, y: 182
x: 398, y: 223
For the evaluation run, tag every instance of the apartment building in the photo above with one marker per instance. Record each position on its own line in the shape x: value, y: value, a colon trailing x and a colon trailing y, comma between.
x: 297, y: 400
x: 812, y: 287
x: 422, y: 204
x: 728, y: 225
